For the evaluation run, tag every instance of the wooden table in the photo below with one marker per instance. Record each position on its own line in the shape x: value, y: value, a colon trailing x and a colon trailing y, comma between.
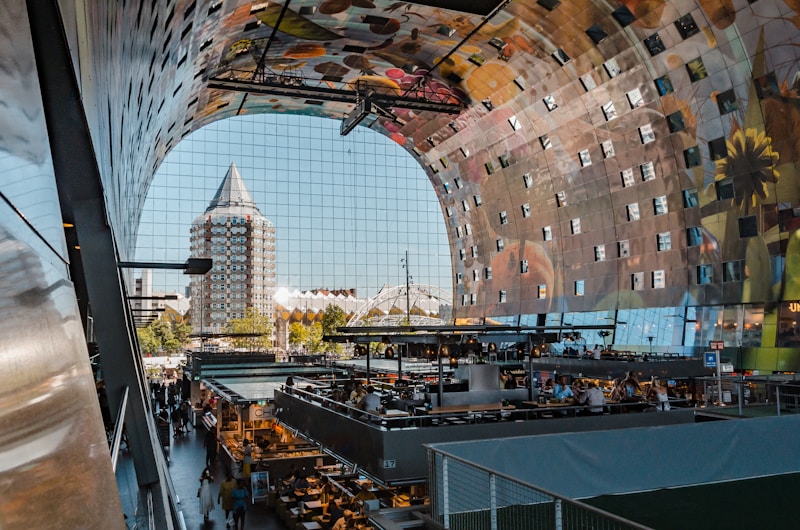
x: 313, y: 505
x: 311, y: 525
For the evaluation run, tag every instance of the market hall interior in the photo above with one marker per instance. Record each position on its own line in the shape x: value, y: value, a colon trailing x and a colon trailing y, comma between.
x: 626, y: 162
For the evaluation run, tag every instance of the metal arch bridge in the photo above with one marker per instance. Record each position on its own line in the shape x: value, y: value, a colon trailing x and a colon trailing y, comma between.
x: 421, y: 299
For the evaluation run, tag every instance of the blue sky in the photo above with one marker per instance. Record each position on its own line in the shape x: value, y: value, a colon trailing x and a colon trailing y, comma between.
x: 346, y: 209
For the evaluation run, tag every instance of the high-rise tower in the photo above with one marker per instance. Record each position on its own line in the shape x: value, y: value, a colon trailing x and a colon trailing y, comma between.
x: 241, y: 243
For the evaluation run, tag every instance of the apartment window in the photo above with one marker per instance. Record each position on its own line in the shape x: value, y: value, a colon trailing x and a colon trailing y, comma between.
x: 502, y: 298
x: 724, y: 189
x: 476, y: 276
x: 732, y: 271
x: 623, y: 16
x: 748, y: 226
x: 675, y: 122
x: 489, y: 167
x: 609, y: 111
x: 686, y: 26
x: 717, y: 148
x: 612, y: 68
x: 527, y: 179
x: 660, y: 205
x: 704, y: 274
x: 654, y: 44
x: 690, y: 198
x: 457, y: 182
x: 464, y: 151
x: 561, y: 57
x: 500, y: 245
x: 444, y: 162
x: 526, y: 210
x: 448, y: 211
x: 608, y: 149
x: 588, y: 82
x: 635, y: 99
x: 627, y: 178
x: 646, y: 133
x: 637, y: 281
x: 523, y: 266
x: 458, y: 232
x: 664, y: 86
x: 514, y: 122
x: 459, y: 278
x: 474, y: 251
x: 468, y: 229
x: 585, y: 158
x: 648, y: 170
x: 596, y: 33
x: 624, y: 248
x: 447, y: 188
x: 767, y: 86
x: 465, y: 205
x: 579, y: 288
x: 575, y: 225
x: 726, y: 102
x: 692, y: 157
x: 658, y: 279
x: 465, y: 300
x: 550, y: 102
x: 633, y: 211
x: 541, y: 291
x: 477, y: 200
x: 545, y: 141
x: 547, y: 233
x: 505, y: 160
x: 694, y: 236
x: 696, y: 69
x: 462, y: 253
x: 664, y: 241
x: 503, y: 218
x: 561, y: 198
x: 487, y: 273
x: 600, y: 253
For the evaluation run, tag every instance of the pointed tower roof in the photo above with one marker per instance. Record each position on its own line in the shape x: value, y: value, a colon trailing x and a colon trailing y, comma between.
x: 232, y: 192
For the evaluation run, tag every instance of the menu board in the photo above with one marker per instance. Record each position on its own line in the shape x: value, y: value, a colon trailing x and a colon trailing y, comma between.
x: 259, y: 485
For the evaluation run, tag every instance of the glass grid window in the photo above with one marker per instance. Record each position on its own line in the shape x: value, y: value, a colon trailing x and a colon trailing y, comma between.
x: 468, y: 229
x: 658, y: 279
x: 646, y: 133
x: 285, y: 180
x: 648, y: 170
x: 575, y: 225
x: 609, y: 111
x: 635, y: 99
x: 608, y: 149
x: 704, y: 274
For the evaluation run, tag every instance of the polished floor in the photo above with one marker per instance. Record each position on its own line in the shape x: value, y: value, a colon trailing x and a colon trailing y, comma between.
x: 186, y: 461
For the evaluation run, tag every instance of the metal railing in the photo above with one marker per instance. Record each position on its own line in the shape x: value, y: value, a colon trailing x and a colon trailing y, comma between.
x: 753, y: 395
x: 468, y: 496
x: 119, y: 425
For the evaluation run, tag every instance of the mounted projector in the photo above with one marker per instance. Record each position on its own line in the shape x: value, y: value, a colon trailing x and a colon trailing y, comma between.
x: 356, y: 116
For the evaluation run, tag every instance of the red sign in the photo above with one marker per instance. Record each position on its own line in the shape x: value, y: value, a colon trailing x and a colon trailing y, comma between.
x: 716, y: 345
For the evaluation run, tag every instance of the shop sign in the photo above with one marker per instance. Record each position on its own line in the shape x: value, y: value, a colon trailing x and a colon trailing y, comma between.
x: 711, y: 359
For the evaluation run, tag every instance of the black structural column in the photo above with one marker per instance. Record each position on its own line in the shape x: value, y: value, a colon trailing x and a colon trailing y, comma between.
x: 81, y: 195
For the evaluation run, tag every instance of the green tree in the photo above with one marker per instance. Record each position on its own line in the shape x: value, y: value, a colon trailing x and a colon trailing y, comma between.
x: 298, y: 334
x: 182, y: 331
x: 253, y: 330
x: 148, y: 343
x: 333, y: 318
x: 315, y: 344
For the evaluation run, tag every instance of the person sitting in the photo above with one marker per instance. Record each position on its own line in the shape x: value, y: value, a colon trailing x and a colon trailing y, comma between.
x: 594, y: 400
x: 371, y: 401
x: 366, y: 494
x: 548, y: 386
x: 343, y: 522
x: 658, y: 394
x: 357, y: 394
x: 562, y: 390
x: 631, y: 387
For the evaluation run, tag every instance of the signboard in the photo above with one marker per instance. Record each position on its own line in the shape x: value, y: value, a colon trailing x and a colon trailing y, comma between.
x: 716, y: 345
x: 259, y: 485
x: 711, y: 359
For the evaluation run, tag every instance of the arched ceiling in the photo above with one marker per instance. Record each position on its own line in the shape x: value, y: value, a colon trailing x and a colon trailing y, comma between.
x: 564, y: 179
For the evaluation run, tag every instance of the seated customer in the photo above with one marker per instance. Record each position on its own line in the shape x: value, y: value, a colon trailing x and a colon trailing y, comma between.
x: 343, y: 522
x: 562, y: 390
x: 371, y: 401
x: 593, y: 398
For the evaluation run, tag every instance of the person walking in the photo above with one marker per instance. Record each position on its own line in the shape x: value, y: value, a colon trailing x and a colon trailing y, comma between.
x: 225, y: 497
x: 204, y: 493
x: 239, y: 495
x: 210, y: 443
